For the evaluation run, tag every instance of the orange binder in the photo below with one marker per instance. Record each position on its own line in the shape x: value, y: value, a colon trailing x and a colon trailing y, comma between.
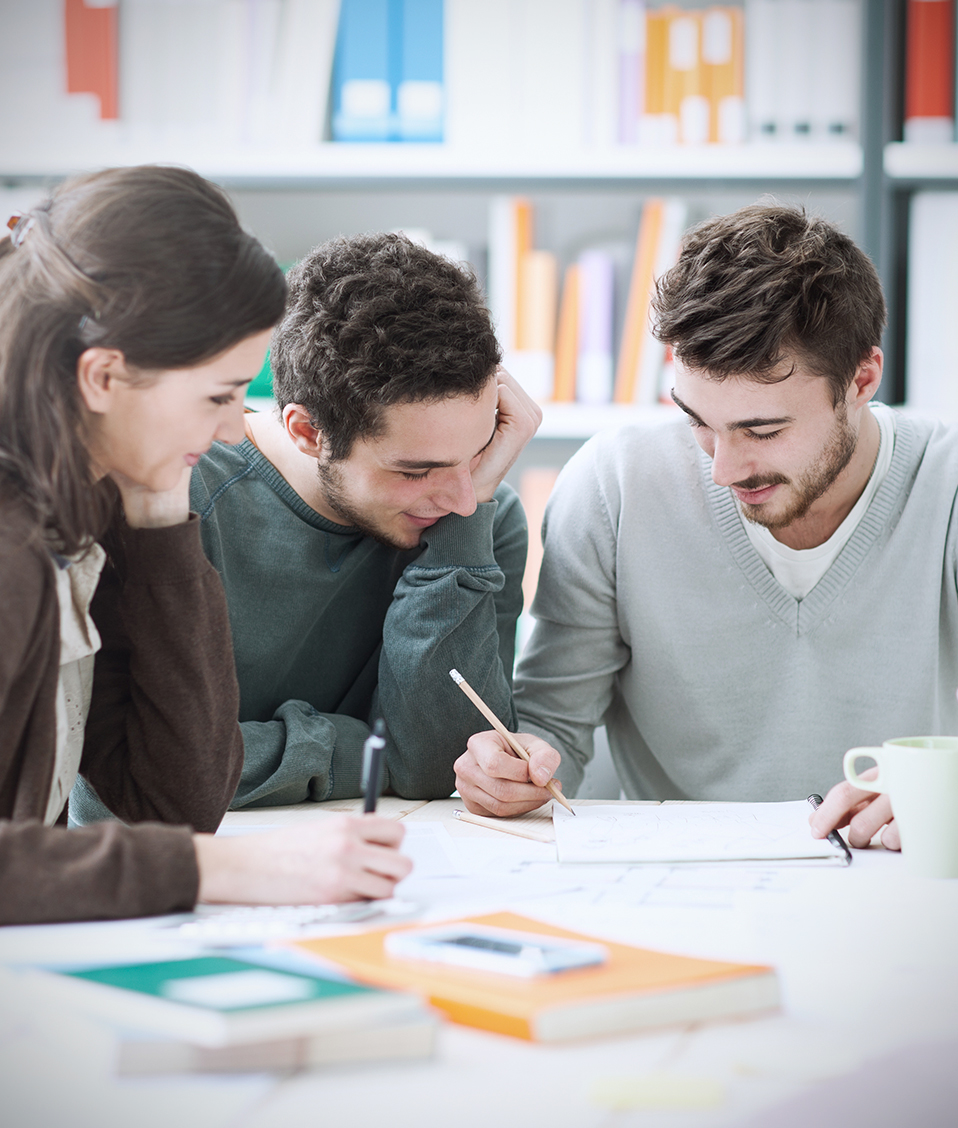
x: 635, y: 989
x: 685, y: 99
x: 723, y: 73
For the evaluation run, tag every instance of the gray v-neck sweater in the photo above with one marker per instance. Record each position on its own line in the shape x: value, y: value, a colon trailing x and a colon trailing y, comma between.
x: 657, y: 617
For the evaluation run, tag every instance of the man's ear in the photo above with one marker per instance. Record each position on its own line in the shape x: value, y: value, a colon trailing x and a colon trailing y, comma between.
x: 98, y: 371
x: 867, y: 377
x: 304, y: 436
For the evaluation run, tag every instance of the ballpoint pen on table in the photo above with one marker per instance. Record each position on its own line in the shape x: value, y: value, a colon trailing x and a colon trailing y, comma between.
x: 834, y: 837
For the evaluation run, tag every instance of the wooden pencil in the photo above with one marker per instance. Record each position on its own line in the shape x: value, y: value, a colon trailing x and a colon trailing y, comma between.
x: 521, y: 830
x: 506, y: 735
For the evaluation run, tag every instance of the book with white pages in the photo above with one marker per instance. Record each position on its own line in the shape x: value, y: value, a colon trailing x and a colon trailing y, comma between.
x: 670, y: 832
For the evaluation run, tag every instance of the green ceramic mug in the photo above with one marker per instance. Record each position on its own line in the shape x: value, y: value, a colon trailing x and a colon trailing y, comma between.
x: 920, y: 774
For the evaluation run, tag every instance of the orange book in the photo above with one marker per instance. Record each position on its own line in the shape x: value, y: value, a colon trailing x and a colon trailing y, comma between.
x: 91, y: 53
x: 635, y: 989
x: 929, y: 71
x: 723, y: 73
x: 567, y: 338
x: 538, y: 296
x: 535, y: 486
x: 636, y: 323
x: 523, y: 246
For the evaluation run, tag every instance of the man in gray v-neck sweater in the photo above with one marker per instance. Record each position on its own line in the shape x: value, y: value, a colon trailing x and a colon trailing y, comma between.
x: 742, y: 595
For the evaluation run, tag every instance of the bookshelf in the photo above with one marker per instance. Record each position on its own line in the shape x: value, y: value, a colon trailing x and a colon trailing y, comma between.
x: 910, y: 164
x: 379, y: 164
x: 295, y: 195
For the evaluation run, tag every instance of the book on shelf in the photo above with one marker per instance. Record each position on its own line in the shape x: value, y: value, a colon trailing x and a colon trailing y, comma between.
x: 562, y: 348
x: 218, y: 1001
x: 596, y: 309
x: 723, y: 74
x: 637, y: 340
x: 419, y: 91
x: 511, y: 77
x: 641, y: 361
x: 567, y: 337
x: 930, y: 72
x: 655, y: 125
x: 932, y: 300
x: 686, y: 102
x: 803, y: 67
x: 835, y: 78
x: 226, y: 73
x: 635, y: 989
x: 363, y: 72
x: 90, y: 35
x: 534, y: 359
x: 388, y: 71
x: 535, y: 488
x: 630, y: 35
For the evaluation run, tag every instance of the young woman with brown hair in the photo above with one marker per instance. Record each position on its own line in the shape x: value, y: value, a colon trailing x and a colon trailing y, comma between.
x: 134, y: 310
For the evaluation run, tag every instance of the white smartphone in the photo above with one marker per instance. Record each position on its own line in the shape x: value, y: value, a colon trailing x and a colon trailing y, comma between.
x: 502, y: 950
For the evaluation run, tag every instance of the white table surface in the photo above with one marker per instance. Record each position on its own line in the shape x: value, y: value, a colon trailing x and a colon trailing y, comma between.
x: 867, y: 958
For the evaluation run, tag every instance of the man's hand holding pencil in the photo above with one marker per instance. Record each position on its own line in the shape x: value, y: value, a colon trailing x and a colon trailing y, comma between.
x: 492, y: 780
x: 504, y: 773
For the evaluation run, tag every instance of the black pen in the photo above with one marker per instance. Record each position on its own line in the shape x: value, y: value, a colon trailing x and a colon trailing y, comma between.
x: 834, y: 837
x: 373, y: 766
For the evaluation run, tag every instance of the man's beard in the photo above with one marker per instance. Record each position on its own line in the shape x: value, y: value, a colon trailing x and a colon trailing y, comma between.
x: 814, y: 482
x: 331, y: 482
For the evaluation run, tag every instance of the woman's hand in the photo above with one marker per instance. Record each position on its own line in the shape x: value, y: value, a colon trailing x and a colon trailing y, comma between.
x: 148, y: 509
x: 335, y: 858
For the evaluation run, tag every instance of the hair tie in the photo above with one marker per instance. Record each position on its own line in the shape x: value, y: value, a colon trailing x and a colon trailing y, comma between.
x: 19, y: 225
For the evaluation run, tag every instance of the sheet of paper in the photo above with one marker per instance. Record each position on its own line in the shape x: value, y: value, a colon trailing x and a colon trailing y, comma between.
x: 689, y: 832
x: 431, y: 849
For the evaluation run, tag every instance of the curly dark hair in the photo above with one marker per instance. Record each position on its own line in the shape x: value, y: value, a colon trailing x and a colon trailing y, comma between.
x: 374, y: 320
x: 766, y: 282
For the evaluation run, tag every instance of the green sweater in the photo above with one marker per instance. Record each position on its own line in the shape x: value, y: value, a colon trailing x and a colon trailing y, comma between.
x: 331, y: 628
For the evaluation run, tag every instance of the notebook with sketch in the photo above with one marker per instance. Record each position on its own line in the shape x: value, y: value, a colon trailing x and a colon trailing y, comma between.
x: 689, y: 832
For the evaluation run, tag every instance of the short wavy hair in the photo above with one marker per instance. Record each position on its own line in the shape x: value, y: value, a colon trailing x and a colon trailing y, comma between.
x: 766, y: 282
x: 375, y: 320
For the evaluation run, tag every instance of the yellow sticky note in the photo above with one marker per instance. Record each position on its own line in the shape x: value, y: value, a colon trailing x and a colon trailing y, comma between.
x: 657, y: 1090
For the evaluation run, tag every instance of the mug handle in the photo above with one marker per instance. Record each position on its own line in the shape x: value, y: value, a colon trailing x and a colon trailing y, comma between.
x: 848, y: 766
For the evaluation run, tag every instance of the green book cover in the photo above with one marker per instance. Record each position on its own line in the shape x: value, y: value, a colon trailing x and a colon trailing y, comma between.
x: 218, y: 983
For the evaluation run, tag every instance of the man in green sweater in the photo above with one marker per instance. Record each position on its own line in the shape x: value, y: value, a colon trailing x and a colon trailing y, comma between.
x: 743, y: 593
x: 363, y: 532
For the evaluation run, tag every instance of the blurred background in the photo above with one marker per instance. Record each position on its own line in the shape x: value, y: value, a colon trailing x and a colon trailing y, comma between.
x: 559, y: 147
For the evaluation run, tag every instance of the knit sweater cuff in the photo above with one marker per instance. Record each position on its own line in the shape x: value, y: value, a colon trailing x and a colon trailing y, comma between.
x: 462, y: 542
x: 171, y: 877
x: 170, y: 554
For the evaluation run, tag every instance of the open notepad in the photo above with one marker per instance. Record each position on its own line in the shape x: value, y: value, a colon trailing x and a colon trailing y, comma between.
x: 690, y: 832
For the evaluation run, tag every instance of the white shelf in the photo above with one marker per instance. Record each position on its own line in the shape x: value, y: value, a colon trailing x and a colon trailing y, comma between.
x: 561, y: 420
x: 907, y: 161
x: 579, y: 421
x: 378, y: 163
